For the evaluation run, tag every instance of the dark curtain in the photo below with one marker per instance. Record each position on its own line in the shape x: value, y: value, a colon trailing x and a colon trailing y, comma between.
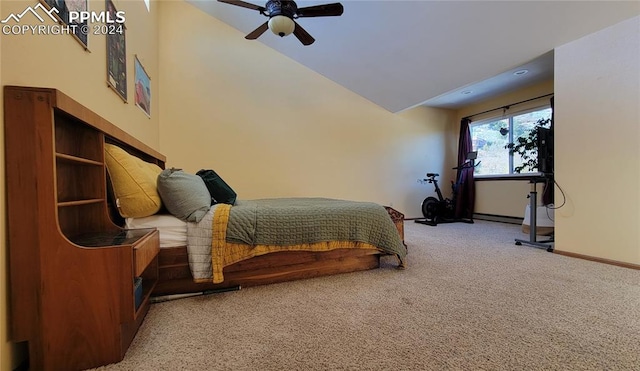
x: 547, y: 192
x: 466, y: 187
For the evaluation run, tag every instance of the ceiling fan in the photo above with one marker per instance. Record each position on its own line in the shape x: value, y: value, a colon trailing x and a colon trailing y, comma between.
x: 281, y: 15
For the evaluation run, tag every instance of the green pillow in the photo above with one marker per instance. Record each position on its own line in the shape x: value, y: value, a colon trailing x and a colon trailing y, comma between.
x: 220, y: 191
x: 184, y: 195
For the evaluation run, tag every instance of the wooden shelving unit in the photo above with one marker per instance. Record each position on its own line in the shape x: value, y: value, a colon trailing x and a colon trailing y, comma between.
x: 72, y: 269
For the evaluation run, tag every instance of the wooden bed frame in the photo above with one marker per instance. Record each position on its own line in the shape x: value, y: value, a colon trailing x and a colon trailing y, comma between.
x: 57, y: 195
x: 175, y: 275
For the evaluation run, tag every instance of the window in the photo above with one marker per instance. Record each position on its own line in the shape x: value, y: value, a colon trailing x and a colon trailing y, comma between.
x: 490, y: 137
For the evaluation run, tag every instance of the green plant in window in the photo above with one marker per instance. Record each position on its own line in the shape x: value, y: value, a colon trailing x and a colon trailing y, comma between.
x: 526, y: 146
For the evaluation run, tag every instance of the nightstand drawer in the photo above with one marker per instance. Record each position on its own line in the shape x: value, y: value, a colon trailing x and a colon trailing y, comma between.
x: 144, y: 252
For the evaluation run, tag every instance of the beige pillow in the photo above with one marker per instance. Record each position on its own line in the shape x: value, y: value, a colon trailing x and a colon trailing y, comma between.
x: 134, y: 183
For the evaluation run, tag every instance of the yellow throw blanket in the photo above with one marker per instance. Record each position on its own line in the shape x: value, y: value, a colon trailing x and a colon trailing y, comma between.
x: 224, y: 254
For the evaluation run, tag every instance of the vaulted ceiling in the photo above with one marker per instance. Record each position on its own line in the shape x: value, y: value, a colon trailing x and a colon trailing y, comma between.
x: 401, y: 54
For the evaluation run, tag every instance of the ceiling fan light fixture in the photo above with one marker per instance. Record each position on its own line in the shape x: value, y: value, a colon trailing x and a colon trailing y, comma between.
x: 281, y: 25
x: 282, y: 15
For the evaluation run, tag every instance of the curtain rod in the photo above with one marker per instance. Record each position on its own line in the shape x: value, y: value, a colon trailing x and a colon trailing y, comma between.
x: 507, y: 106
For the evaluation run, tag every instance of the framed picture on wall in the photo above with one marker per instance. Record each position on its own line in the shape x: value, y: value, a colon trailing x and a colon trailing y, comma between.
x: 116, y: 57
x: 62, y: 8
x: 142, y: 88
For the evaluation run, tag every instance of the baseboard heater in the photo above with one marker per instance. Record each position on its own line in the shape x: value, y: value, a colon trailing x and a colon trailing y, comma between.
x: 498, y: 218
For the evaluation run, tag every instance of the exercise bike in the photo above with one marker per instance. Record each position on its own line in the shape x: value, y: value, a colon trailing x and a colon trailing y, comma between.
x: 441, y: 209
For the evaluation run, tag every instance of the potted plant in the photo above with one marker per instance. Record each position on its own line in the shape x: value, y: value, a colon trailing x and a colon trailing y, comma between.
x: 526, y: 146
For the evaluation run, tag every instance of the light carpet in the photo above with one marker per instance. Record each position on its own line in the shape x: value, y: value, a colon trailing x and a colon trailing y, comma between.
x: 470, y: 299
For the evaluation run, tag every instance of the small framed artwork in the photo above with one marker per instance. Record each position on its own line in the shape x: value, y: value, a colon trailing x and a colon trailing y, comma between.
x: 143, y: 88
x: 116, y: 58
x: 80, y: 30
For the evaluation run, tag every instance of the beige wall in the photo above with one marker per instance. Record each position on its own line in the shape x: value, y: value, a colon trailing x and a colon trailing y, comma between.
x: 59, y: 61
x: 597, y: 87
x: 273, y: 128
x: 506, y: 197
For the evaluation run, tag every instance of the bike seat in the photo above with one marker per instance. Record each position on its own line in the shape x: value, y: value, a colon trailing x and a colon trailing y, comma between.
x: 430, y: 175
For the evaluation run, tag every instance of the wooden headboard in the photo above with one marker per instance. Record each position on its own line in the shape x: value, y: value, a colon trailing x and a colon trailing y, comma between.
x: 73, y: 303
x: 79, y: 135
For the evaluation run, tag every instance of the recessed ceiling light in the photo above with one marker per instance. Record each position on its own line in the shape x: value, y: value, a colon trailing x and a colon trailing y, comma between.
x: 521, y: 72
x: 466, y: 92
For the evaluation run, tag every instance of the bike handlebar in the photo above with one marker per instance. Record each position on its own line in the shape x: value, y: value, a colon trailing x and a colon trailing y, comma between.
x: 466, y: 165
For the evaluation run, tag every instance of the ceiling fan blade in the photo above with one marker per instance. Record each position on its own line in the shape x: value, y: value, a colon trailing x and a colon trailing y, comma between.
x: 326, y: 10
x: 303, y: 35
x: 244, y: 5
x: 258, y: 31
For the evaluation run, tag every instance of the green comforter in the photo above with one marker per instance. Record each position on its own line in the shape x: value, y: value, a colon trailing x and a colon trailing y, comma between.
x: 294, y: 221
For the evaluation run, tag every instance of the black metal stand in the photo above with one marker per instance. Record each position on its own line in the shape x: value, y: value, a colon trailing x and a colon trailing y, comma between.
x: 533, y: 215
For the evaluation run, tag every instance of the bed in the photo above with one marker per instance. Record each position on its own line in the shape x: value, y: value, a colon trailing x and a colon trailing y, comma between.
x: 212, y: 240
x: 281, y: 253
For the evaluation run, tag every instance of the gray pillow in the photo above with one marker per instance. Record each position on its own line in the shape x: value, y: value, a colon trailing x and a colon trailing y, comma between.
x: 184, y: 195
